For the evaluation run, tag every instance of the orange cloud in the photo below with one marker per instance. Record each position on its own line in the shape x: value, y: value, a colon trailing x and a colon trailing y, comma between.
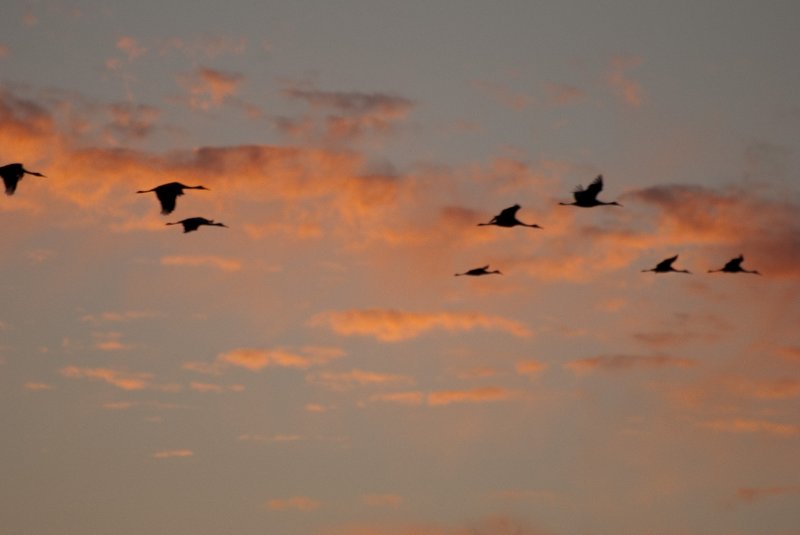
x: 131, y: 47
x: 382, y: 500
x: 475, y: 395
x: 32, y: 385
x: 298, y: 503
x: 784, y: 388
x: 414, y: 397
x: 627, y: 362
x: 217, y: 262
x: 530, y: 367
x: 119, y: 379
x: 498, y: 525
x: 5, y: 51
x: 630, y: 91
x: 394, y: 325
x: 212, y: 387
x: 346, y: 380
x: 209, y: 88
x: 169, y: 454
x: 563, y: 94
x: 255, y: 359
x: 743, y: 425
x: 753, y: 494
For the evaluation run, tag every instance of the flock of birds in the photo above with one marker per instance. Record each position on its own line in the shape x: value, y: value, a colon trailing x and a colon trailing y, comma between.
x: 168, y: 194
x: 587, y: 198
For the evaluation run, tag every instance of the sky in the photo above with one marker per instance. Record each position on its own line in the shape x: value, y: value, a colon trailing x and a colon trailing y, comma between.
x: 315, y: 368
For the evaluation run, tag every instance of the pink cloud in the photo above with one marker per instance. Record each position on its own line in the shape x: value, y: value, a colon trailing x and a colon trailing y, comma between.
x: 475, y: 395
x: 744, y: 425
x: 119, y: 379
x: 209, y: 88
x: 628, y: 90
x: 131, y: 47
x: 627, y: 362
x: 297, y: 503
x: 753, y: 494
x: 394, y: 325
x: 170, y: 454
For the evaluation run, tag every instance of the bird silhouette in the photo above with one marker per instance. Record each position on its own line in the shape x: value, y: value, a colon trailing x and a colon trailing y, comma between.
x: 12, y: 174
x: 508, y: 218
x: 168, y: 193
x: 587, y: 197
x: 193, y: 223
x: 734, y: 266
x: 665, y: 266
x: 476, y: 272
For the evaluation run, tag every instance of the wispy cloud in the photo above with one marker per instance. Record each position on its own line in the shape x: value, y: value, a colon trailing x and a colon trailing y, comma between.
x: 754, y: 494
x: 170, y: 454
x: 34, y: 385
x: 628, y: 90
x: 475, y: 395
x: 746, y: 425
x: 216, y: 262
x: 355, y: 377
x: 627, y: 362
x: 210, y: 88
x: 297, y: 503
x: 214, y: 388
x: 395, y: 325
x: 382, y: 500
x: 564, y: 94
x: 530, y: 367
x: 120, y: 379
x: 256, y: 359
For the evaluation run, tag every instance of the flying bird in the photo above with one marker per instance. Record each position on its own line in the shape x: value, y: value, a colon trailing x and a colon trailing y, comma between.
x: 12, y: 174
x: 587, y: 197
x: 734, y: 266
x: 508, y: 218
x: 665, y: 266
x: 168, y: 193
x: 476, y: 272
x: 193, y: 223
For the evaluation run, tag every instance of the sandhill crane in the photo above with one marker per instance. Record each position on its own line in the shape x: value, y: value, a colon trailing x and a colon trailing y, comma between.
x: 12, y: 174
x: 587, y: 197
x: 193, y: 223
x: 476, y: 272
x: 168, y: 193
x: 665, y: 266
x: 508, y: 218
x: 734, y: 266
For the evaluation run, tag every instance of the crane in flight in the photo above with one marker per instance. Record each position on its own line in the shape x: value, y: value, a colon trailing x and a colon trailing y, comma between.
x: 476, y: 272
x: 12, y: 174
x: 168, y: 193
x: 665, y: 266
x: 587, y: 197
x: 734, y: 266
x: 508, y: 218
x: 193, y: 223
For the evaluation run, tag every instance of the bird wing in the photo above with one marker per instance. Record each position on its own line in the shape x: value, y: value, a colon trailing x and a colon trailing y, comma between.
x: 734, y: 264
x: 167, y: 199
x: 595, y: 187
x: 667, y: 263
x: 509, y: 212
x: 10, y: 182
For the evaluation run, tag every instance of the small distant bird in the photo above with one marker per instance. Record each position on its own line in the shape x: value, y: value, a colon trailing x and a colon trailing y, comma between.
x: 193, y: 223
x: 508, y: 218
x: 12, y: 174
x: 168, y: 193
x: 587, y: 197
x: 734, y: 266
x: 665, y: 266
x: 476, y: 272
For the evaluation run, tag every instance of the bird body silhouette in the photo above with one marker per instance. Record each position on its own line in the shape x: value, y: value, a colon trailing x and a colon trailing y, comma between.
x: 508, y: 218
x: 734, y: 266
x: 476, y: 272
x: 665, y: 266
x: 12, y: 174
x: 168, y: 193
x: 193, y: 223
x: 587, y: 197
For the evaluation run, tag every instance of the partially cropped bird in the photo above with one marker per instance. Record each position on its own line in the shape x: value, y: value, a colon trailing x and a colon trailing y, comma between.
x: 508, y: 218
x: 12, y: 174
x: 665, y: 266
x: 193, y: 223
x: 476, y: 272
x: 734, y: 266
x: 587, y: 197
x: 168, y: 193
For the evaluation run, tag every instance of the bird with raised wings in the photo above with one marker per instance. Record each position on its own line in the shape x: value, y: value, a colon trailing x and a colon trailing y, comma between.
x: 665, y: 266
x: 587, y: 197
x: 12, y: 174
x: 168, y: 193
x: 508, y: 218
x: 193, y: 223
x: 734, y: 266
x: 476, y: 272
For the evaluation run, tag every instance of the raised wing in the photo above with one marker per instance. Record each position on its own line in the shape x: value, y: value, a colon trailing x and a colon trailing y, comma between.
x: 667, y: 263
x: 734, y: 264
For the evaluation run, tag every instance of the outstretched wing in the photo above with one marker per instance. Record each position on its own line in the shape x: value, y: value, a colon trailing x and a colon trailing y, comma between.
x: 167, y: 199
x: 667, y: 263
x: 734, y: 264
x: 11, y: 175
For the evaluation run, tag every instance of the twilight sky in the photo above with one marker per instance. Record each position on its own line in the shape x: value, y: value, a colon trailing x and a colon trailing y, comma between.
x: 316, y: 368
